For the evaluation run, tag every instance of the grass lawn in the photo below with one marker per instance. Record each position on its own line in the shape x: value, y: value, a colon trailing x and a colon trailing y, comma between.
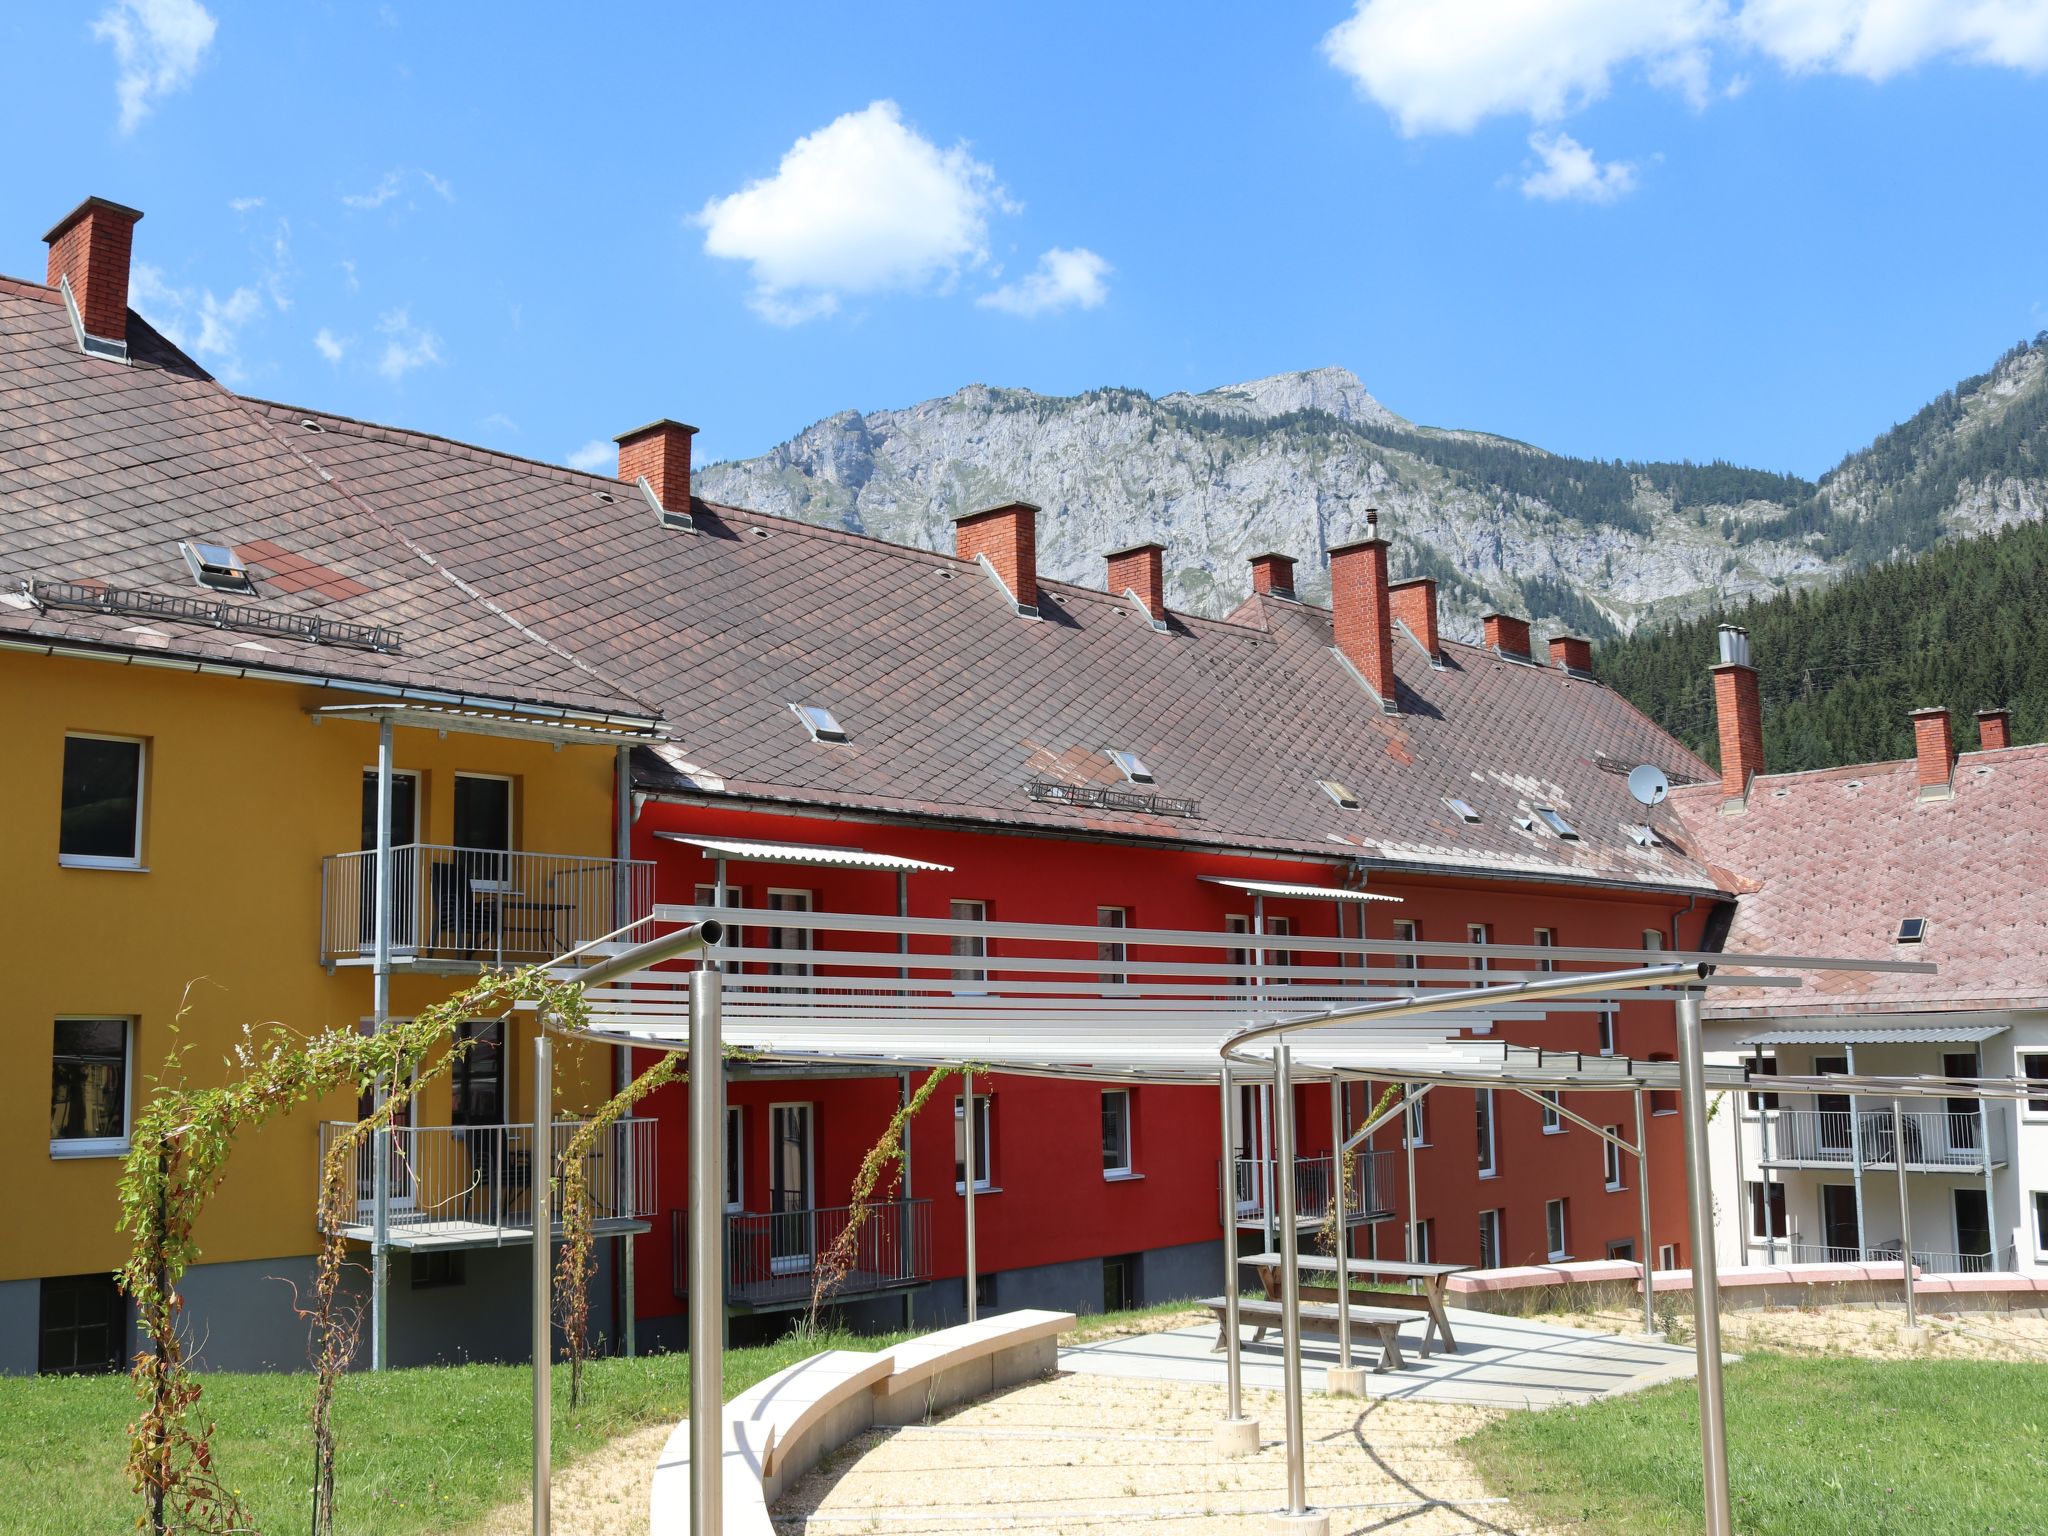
x: 1815, y: 1445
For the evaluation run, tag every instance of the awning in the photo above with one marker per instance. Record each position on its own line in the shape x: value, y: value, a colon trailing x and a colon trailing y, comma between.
x: 800, y: 853
x: 1905, y: 1034
x: 589, y: 730
x: 1304, y: 892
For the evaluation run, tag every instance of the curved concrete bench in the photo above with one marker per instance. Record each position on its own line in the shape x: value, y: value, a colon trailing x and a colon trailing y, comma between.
x: 776, y: 1430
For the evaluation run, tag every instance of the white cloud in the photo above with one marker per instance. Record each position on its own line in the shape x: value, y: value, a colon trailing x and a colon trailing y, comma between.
x: 498, y: 421
x: 193, y: 319
x: 406, y: 346
x: 331, y: 346
x: 593, y: 456
x: 1063, y: 279
x: 157, y: 45
x: 863, y: 205
x: 391, y: 183
x: 348, y: 275
x: 1881, y: 38
x: 244, y: 204
x: 278, y: 268
x: 1570, y: 173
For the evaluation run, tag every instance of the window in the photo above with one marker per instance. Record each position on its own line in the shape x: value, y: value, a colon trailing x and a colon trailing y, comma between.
x: 1663, y: 1101
x: 735, y: 896
x: 1116, y: 1132
x: 1653, y: 939
x: 1113, y: 953
x: 982, y: 1138
x: 795, y: 939
x: 1279, y: 927
x: 1484, y: 1098
x: 83, y: 1326
x: 100, y: 825
x: 820, y: 722
x: 1622, y: 1250
x: 2041, y: 1222
x: 1611, y: 1162
x: 1546, y: 938
x: 1912, y: 930
x: 2035, y: 1064
x: 1339, y: 793
x: 1767, y: 1209
x: 1667, y: 1256
x: 1549, y: 817
x: 971, y: 946
x: 89, y: 1087
x: 1131, y: 766
x: 1418, y: 1122
x: 432, y: 1271
x: 1607, y: 1032
x: 1237, y: 922
x: 477, y: 1083
x: 1554, y: 1228
x: 1460, y: 808
x: 735, y: 1157
x: 1120, y: 1282
x: 217, y: 566
x: 1425, y: 1241
x: 1553, y: 1122
x: 1763, y: 1066
x: 1407, y: 931
x: 1478, y: 933
x: 1489, y: 1239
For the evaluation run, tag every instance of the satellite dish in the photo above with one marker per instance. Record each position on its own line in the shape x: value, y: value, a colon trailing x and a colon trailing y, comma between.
x: 1648, y: 784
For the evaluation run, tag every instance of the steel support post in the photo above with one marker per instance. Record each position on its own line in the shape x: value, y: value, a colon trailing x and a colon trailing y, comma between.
x: 543, y: 1300
x: 1290, y: 1278
x: 380, y: 1009
x: 1763, y: 1173
x: 1905, y: 1216
x: 1343, y: 1248
x: 1706, y: 1279
x: 1990, y: 1191
x: 622, y: 904
x: 1742, y: 1186
x: 1233, y: 1361
x: 1643, y: 1216
x: 1414, y: 1223
x: 967, y: 1120
x: 707, y: 1251
x: 1856, y: 1162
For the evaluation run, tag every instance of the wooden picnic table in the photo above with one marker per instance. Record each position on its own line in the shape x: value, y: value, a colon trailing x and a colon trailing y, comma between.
x: 1432, y: 1276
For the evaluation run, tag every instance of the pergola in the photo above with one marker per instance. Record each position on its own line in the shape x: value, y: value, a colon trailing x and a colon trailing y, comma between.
x: 900, y: 993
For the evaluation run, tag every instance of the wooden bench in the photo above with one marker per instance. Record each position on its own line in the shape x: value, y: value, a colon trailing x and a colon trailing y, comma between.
x: 1317, y: 1317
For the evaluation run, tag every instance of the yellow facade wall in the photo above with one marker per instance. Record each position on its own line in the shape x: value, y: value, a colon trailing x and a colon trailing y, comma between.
x: 244, y: 794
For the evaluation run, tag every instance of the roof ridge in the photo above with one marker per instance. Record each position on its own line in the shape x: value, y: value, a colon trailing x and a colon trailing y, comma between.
x: 22, y: 288
x: 413, y: 434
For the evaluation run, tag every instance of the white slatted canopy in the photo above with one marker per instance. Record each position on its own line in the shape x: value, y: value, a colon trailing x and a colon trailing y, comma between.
x: 823, y: 857
x: 1290, y: 891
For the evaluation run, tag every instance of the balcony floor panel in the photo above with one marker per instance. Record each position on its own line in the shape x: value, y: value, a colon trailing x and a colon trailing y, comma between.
x: 433, y: 1236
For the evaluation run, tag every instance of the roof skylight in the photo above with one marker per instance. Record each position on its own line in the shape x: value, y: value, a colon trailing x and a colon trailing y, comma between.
x: 1556, y: 823
x: 1460, y: 808
x: 1912, y: 930
x: 1645, y: 836
x: 217, y: 566
x: 1339, y: 793
x: 1131, y: 765
x: 820, y: 722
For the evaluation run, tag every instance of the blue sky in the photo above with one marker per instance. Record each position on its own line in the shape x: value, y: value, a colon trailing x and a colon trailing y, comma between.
x: 1757, y: 229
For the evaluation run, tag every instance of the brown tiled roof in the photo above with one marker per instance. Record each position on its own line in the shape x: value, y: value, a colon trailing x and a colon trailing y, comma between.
x: 105, y: 467
x: 954, y: 705
x: 1829, y: 862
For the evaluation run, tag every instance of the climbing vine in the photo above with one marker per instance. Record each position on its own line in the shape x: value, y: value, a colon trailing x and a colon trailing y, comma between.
x: 1330, y: 1237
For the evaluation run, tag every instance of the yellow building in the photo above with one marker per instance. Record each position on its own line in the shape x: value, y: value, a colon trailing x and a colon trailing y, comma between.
x: 202, y: 641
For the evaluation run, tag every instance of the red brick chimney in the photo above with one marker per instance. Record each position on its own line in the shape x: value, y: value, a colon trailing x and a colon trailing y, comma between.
x: 1571, y: 653
x: 660, y: 452
x: 1994, y: 729
x: 1008, y: 536
x: 90, y: 246
x: 1361, y: 612
x: 1934, y: 751
x: 1507, y: 634
x: 1739, y: 714
x: 1141, y: 569
x: 1414, y: 604
x: 1273, y: 575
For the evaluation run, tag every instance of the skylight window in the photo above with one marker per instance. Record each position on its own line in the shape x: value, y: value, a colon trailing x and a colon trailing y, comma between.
x: 1460, y: 808
x: 1912, y: 930
x: 1645, y: 837
x: 1339, y: 793
x: 1132, y: 766
x: 820, y: 722
x: 1556, y: 823
x: 217, y: 566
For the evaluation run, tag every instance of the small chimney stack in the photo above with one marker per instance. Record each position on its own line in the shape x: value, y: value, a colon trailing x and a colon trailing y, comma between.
x: 1273, y: 575
x: 1994, y: 729
x: 1934, y: 752
x: 1361, y: 612
x: 1008, y: 536
x: 1738, y: 714
x: 1414, y: 606
x: 1508, y: 635
x: 1141, y: 569
x: 1571, y: 653
x: 90, y: 248
x: 659, y: 453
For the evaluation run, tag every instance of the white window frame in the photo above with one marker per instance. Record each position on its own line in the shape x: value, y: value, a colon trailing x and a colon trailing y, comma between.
x: 511, y: 783
x: 1279, y: 928
x: 1653, y: 940
x: 1423, y: 1240
x: 1122, y: 916
x: 1553, y: 1119
x: 1479, y: 933
x: 1609, y: 1021
x: 101, y: 1146
x: 1546, y: 938
x: 735, y: 896
x: 1756, y: 1194
x: 2039, y: 1200
x: 1407, y: 931
x: 1416, y: 1122
x: 1487, y: 1111
x: 967, y: 910
x: 795, y: 1263
x: 802, y: 935
x: 1129, y: 1169
x: 1667, y: 1257
x: 735, y: 1166
x: 1614, y: 1165
x: 2033, y: 1111
x: 102, y: 860
x: 1238, y: 925
x: 984, y: 1149
x: 1489, y: 1236
x: 1557, y: 1234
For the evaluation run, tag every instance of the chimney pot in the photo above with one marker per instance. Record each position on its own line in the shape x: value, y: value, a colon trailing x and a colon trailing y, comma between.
x: 1362, y: 613
x: 1413, y: 602
x: 1934, y: 751
x: 1571, y: 652
x: 1273, y: 575
x: 1994, y: 729
x: 659, y: 453
x: 1508, y: 634
x: 1141, y: 569
x: 91, y: 246
x: 1738, y: 714
x: 1008, y: 536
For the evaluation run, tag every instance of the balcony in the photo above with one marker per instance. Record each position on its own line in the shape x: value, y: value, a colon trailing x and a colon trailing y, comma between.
x: 460, y: 909
x: 1936, y: 1141
x: 471, y: 1186
x: 1373, y: 1175
x: 771, y: 1258
x: 1927, y: 1261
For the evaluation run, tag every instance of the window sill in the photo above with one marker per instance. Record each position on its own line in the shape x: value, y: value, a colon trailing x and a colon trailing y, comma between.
x: 979, y: 1189
x: 1121, y: 1176
x: 1489, y: 1173
x: 69, y: 1151
x: 122, y: 866
x: 1559, y: 1258
x: 1553, y: 1130
x: 1660, y: 1114
x: 1617, y: 1189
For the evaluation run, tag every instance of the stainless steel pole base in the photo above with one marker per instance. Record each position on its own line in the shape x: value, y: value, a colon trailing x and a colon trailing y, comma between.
x: 1237, y: 1437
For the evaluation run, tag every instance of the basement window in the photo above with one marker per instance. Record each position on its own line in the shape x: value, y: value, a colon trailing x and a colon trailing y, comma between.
x: 820, y: 722
x: 217, y: 566
x: 1462, y: 809
x: 1131, y: 765
x: 1912, y: 930
x: 1557, y: 823
x: 1339, y: 793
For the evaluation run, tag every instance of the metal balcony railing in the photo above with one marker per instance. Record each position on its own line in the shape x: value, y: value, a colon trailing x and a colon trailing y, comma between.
x: 470, y: 905
x: 473, y: 1184
x: 1929, y: 1261
x: 1933, y: 1139
x: 772, y: 1257
x: 1373, y: 1176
